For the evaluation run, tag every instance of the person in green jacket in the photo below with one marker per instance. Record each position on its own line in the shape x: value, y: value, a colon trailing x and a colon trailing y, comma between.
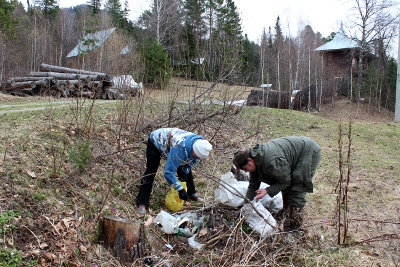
x: 287, y: 165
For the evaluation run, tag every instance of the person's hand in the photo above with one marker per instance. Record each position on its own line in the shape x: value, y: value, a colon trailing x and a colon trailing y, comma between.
x: 260, y: 194
x: 183, y: 194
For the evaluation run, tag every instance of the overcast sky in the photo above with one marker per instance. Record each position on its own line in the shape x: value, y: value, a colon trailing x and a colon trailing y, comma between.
x: 323, y: 15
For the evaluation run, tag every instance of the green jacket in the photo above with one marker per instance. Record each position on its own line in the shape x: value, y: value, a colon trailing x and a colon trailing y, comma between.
x: 283, y: 163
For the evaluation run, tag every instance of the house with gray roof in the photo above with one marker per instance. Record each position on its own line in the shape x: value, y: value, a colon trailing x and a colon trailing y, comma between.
x: 103, y: 51
x: 339, y: 56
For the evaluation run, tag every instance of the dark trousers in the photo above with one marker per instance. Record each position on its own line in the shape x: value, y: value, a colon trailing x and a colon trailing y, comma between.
x: 153, y: 157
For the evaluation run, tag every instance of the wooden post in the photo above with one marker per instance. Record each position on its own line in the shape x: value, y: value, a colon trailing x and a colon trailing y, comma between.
x: 124, y: 238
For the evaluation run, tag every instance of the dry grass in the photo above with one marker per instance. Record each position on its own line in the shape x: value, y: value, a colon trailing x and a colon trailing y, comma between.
x: 61, y: 208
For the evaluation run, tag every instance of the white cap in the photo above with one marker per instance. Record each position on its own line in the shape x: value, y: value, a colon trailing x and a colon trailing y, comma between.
x: 202, y: 148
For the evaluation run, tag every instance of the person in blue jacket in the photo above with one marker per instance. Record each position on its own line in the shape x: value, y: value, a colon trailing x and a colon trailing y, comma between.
x: 182, y: 150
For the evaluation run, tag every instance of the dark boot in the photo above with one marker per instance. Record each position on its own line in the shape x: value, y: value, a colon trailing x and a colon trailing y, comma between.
x: 294, y: 218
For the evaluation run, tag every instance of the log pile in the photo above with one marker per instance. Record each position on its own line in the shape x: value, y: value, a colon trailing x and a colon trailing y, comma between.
x: 63, y: 82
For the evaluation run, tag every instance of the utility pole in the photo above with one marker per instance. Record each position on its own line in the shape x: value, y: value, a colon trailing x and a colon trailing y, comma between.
x: 397, y: 106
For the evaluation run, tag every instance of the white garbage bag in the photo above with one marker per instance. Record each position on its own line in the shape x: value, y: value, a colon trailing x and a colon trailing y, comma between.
x: 169, y: 224
x: 265, y: 225
x: 228, y: 190
x: 275, y: 204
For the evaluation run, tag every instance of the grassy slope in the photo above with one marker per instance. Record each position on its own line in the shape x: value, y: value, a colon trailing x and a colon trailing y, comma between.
x: 60, y: 204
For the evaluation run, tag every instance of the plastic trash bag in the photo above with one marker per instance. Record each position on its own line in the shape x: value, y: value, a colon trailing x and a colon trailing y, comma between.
x: 172, y: 200
x: 275, y: 204
x: 170, y: 224
x: 265, y: 225
x: 194, y: 244
x: 228, y: 191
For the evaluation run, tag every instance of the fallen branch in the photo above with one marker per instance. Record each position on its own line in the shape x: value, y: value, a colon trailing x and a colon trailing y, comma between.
x: 52, y: 224
x: 378, y: 238
x: 376, y: 221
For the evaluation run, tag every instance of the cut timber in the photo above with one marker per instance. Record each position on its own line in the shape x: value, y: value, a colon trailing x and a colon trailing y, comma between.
x: 64, y: 76
x: 18, y: 85
x: 51, y: 68
x: 124, y: 238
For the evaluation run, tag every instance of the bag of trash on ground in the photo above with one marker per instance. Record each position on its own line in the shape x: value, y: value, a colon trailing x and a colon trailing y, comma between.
x: 177, y: 224
x: 172, y: 200
x: 228, y: 190
x: 265, y: 225
x: 274, y: 204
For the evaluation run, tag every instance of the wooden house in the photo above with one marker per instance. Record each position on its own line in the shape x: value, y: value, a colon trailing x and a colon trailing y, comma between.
x: 339, y: 56
x: 104, y: 51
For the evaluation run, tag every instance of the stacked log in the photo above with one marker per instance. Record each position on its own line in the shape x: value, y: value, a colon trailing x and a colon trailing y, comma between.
x: 62, y: 82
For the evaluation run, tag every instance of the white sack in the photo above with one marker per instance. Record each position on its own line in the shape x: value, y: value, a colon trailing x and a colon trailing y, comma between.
x: 275, y: 203
x: 170, y: 224
x: 229, y: 188
x: 265, y: 225
x: 227, y: 191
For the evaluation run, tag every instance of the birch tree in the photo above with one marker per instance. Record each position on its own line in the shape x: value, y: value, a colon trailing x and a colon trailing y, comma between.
x: 373, y: 21
x: 162, y: 19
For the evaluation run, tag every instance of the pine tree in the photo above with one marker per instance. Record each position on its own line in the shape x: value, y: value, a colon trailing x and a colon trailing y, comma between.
x: 49, y: 8
x: 95, y: 6
x: 157, y: 63
x: 8, y: 23
x: 228, y: 39
x: 193, y: 33
x: 114, y: 7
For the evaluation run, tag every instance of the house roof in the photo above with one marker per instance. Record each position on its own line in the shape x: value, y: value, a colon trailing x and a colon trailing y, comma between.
x: 99, y: 38
x: 340, y: 41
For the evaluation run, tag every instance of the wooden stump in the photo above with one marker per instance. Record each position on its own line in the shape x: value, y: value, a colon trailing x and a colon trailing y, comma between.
x: 124, y: 238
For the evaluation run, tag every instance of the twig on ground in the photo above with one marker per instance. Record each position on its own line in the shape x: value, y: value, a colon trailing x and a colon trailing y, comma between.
x: 51, y: 224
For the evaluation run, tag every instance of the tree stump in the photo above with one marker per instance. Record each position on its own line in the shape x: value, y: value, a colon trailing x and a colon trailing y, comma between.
x: 124, y: 238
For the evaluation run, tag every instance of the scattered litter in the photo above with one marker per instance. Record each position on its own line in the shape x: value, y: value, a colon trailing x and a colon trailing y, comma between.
x: 180, y: 224
x: 195, y: 244
x: 171, y: 247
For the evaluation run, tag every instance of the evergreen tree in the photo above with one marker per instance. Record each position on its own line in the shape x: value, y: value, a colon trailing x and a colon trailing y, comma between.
x: 157, y: 63
x: 95, y: 6
x: 49, y: 8
x: 114, y: 7
x: 8, y: 23
x: 250, y: 61
x: 193, y: 33
x: 228, y: 39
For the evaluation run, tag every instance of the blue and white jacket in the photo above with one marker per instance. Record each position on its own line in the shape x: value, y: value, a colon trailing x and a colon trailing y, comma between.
x: 176, y: 145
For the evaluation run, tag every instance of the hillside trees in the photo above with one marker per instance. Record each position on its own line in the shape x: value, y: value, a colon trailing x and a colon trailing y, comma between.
x: 156, y: 63
x: 228, y: 44
x: 8, y: 28
x: 375, y: 21
x: 162, y: 20
x: 194, y: 31
x: 118, y: 14
x: 251, y: 61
